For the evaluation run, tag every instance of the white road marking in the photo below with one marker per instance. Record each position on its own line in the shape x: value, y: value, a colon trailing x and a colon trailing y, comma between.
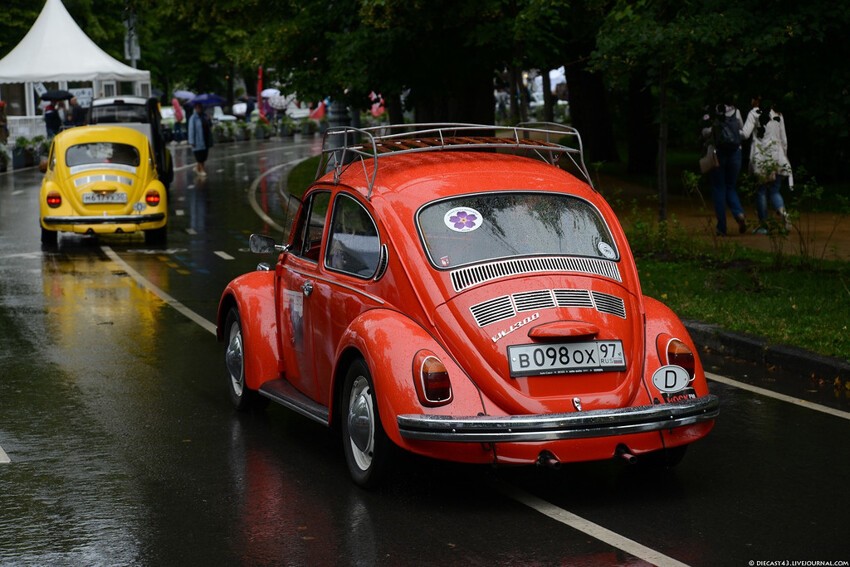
x: 587, y: 527
x: 777, y: 396
x: 142, y: 281
x: 224, y: 255
x: 191, y: 231
x: 4, y: 458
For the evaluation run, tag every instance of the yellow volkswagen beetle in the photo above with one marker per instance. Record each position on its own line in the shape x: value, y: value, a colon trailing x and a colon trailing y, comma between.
x: 102, y: 180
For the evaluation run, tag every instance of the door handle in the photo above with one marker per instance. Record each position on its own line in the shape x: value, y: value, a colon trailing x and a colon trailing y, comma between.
x: 307, y: 288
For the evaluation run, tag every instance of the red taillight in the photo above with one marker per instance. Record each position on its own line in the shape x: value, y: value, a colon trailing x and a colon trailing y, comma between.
x: 679, y: 354
x: 152, y: 198
x: 433, y: 386
x: 54, y: 199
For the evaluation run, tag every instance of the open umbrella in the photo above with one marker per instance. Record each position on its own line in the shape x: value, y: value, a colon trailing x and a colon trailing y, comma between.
x: 207, y: 99
x: 57, y: 95
x: 184, y: 95
x: 270, y: 92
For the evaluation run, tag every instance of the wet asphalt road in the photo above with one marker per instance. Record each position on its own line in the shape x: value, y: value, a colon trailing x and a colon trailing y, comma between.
x: 123, y: 450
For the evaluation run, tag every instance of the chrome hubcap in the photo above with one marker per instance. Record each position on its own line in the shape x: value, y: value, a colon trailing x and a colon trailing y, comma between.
x: 234, y: 360
x: 361, y: 423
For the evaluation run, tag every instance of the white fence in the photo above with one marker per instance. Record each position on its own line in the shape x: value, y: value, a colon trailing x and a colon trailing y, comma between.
x: 26, y: 126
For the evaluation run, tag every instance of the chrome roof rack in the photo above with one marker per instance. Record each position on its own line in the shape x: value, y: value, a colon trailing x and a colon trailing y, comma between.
x: 341, y: 147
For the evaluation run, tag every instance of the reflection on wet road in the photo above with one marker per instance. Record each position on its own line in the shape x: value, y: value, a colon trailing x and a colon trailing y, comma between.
x: 123, y: 449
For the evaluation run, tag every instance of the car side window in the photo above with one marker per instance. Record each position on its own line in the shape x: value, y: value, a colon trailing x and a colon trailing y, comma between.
x: 307, y: 240
x: 354, y: 246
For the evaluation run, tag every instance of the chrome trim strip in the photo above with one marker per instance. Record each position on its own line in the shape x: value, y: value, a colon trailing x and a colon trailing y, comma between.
x: 553, y: 427
x: 116, y: 219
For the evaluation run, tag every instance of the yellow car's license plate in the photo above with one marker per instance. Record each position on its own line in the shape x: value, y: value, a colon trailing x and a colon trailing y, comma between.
x: 99, y: 198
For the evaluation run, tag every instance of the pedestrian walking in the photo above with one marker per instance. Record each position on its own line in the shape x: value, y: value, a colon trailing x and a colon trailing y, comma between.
x: 52, y: 121
x: 723, y: 130
x: 768, y: 161
x: 200, y: 138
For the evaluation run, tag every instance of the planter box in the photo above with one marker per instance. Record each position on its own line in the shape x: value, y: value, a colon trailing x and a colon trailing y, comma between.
x: 19, y: 158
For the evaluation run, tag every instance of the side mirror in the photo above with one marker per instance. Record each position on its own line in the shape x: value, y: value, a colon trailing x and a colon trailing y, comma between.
x: 260, y: 244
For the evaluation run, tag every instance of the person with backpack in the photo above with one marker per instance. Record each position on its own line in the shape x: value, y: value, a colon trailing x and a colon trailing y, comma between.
x: 768, y: 161
x: 723, y: 130
x: 200, y: 138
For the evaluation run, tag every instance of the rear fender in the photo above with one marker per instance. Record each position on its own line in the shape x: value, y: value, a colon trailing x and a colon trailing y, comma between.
x: 253, y: 295
x: 660, y: 320
x: 388, y: 342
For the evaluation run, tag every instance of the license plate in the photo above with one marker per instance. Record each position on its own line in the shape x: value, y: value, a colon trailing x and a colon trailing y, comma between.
x: 566, y: 358
x: 99, y: 198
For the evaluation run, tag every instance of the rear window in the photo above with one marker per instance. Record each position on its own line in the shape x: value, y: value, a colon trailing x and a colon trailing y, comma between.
x: 118, y: 113
x: 102, y: 152
x: 481, y: 228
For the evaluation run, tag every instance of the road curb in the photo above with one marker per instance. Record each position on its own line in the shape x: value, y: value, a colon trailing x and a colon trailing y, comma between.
x: 806, y: 364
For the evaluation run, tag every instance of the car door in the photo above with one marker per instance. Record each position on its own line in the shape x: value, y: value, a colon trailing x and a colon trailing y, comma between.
x: 297, y: 275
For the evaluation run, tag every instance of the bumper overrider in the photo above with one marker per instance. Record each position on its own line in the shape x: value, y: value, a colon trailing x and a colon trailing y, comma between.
x: 551, y: 427
x: 115, y: 219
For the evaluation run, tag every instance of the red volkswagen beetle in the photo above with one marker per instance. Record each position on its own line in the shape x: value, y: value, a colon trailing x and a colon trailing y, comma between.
x: 462, y: 292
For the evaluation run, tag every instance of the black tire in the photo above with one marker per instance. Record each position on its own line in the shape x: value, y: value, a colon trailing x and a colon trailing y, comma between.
x: 242, y: 398
x: 365, y: 443
x: 157, y: 235
x: 49, y: 237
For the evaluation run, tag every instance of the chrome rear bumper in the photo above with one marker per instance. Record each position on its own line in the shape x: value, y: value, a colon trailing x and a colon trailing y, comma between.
x: 552, y: 427
x: 114, y: 219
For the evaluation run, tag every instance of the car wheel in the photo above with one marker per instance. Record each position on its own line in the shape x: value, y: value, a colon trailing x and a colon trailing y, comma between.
x: 365, y: 443
x: 242, y: 398
x: 156, y: 236
x: 49, y: 237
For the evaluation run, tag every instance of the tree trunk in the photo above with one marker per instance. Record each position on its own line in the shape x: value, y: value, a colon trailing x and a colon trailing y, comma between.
x: 642, y: 152
x: 394, y: 108
x: 515, y: 76
x: 548, y: 98
x: 590, y: 115
x: 662, y: 148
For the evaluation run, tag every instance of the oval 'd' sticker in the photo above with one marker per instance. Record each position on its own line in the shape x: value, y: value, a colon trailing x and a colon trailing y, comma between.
x: 671, y: 378
x: 463, y: 219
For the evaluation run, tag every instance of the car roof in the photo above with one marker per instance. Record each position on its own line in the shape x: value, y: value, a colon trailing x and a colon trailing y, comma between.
x: 90, y: 134
x: 406, y: 182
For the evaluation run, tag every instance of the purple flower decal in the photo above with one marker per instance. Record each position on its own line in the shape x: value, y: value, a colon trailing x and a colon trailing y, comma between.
x: 464, y: 220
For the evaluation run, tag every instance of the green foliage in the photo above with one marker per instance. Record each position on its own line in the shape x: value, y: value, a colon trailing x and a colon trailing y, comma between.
x: 805, y: 308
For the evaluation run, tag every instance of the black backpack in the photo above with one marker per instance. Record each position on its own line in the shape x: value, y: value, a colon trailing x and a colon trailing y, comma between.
x: 727, y: 133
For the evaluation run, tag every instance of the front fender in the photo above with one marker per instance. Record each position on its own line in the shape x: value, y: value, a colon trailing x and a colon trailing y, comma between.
x: 253, y: 295
x: 388, y: 342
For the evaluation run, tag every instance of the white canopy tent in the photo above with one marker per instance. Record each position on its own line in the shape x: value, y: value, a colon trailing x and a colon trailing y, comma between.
x: 57, y: 50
